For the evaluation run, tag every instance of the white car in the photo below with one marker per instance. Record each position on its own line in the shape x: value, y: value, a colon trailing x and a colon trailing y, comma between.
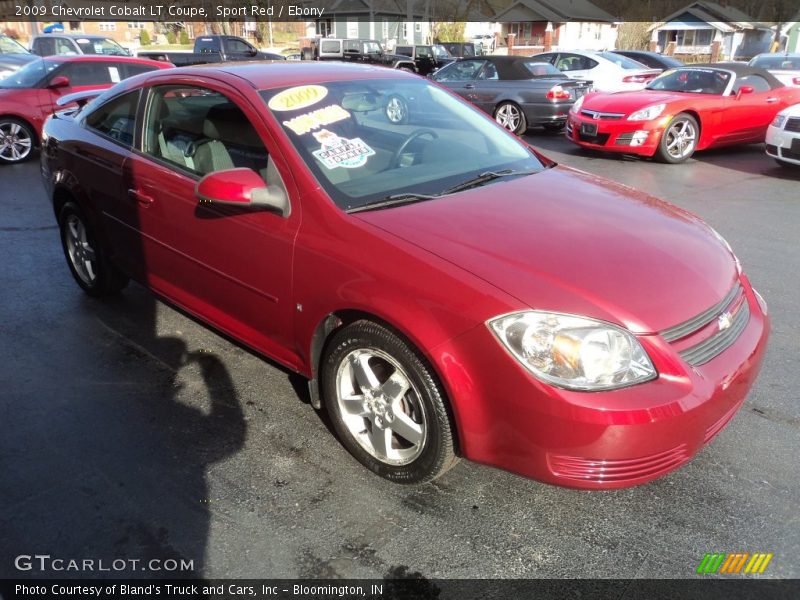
x: 786, y: 67
x: 607, y: 71
x: 783, y: 137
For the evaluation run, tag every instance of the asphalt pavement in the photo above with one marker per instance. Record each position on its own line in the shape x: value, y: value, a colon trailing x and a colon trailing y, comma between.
x: 130, y: 431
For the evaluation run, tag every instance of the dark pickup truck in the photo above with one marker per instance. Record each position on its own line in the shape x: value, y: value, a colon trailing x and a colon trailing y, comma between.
x: 212, y: 49
x: 356, y: 50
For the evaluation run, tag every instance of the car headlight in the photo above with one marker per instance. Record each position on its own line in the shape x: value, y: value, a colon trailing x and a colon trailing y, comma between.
x: 648, y: 114
x: 779, y: 120
x: 572, y: 352
x: 577, y: 105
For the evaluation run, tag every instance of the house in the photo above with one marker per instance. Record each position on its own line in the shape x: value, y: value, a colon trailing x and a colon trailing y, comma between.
x: 705, y: 31
x: 391, y: 22
x: 544, y: 25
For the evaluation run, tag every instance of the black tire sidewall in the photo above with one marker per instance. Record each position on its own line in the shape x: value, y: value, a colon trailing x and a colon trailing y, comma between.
x: 437, y: 455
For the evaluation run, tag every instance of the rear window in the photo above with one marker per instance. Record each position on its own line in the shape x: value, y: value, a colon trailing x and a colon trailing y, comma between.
x: 542, y: 69
x: 777, y: 63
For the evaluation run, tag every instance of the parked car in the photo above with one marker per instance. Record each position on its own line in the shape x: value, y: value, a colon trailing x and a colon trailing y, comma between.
x: 447, y: 290
x: 684, y: 110
x: 786, y: 67
x: 607, y: 71
x: 28, y: 96
x: 13, y: 56
x: 427, y: 58
x: 653, y: 60
x: 485, y: 42
x: 516, y: 90
x: 69, y: 44
x: 462, y: 49
x: 212, y: 49
x: 356, y: 50
x: 783, y: 137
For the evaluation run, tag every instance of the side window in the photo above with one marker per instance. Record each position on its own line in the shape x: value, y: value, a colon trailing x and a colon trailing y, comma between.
x: 575, y: 62
x: 352, y: 46
x: 116, y: 118
x: 202, y: 131
x: 90, y: 73
x: 131, y: 69
x: 489, y: 71
x: 551, y: 58
x: 758, y: 83
x: 423, y: 51
x: 463, y: 70
x: 64, y: 46
x: 404, y: 51
x: 44, y: 47
x: 234, y: 45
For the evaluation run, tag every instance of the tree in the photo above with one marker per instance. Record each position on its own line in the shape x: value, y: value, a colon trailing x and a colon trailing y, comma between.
x: 144, y: 38
x: 444, y: 31
x: 184, y: 38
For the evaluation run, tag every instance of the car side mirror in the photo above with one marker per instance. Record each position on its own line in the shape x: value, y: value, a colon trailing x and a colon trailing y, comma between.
x: 745, y: 89
x: 60, y: 81
x: 242, y: 187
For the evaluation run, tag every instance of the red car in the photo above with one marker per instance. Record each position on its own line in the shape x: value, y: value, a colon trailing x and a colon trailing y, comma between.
x: 683, y: 110
x: 29, y: 95
x: 446, y: 290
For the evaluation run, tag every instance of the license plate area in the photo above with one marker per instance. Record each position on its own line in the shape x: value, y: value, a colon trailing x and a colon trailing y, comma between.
x: 590, y: 129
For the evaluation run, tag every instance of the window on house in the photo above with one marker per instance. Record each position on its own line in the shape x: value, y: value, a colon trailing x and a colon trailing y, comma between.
x: 108, y: 26
x: 324, y: 27
x: 136, y: 25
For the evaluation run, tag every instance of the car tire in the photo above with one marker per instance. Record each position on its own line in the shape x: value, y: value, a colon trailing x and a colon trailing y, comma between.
x: 386, y: 404
x: 679, y: 140
x: 86, y: 258
x: 17, y: 140
x: 397, y: 110
x: 511, y: 116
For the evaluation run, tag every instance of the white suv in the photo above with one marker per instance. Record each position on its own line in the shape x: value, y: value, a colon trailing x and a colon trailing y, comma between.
x: 783, y: 137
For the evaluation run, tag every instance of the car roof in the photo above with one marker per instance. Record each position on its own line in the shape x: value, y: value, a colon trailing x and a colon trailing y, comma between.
x: 75, y: 36
x: 266, y: 74
x: 512, y: 67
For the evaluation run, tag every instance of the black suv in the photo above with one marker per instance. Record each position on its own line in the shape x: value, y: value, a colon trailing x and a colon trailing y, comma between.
x: 356, y: 50
x: 427, y: 58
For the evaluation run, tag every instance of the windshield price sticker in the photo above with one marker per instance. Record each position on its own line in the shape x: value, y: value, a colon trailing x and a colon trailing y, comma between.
x: 340, y: 152
x: 316, y: 119
x: 295, y: 98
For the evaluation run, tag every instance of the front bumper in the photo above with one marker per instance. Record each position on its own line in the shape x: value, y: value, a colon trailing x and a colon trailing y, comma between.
x: 615, y: 135
x: 509, y: 419
x: 779, y: 145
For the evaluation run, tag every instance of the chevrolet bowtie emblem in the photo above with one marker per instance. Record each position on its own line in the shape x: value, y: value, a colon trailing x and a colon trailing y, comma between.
x: 724, y: 321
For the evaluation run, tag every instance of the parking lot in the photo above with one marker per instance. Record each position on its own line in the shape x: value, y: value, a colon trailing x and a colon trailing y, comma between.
x: 131, y: 431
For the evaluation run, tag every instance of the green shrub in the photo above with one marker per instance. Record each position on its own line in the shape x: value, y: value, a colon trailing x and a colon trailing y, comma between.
x: 184, y: 38
x: 144, y: 38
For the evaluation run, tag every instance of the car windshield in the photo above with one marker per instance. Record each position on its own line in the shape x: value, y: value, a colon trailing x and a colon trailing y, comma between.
x: 693, y: 81
x: 10, y: 46
x: 441, y: 52
x: 778, y: 62
x: 622, y: 61
x: 29, y: 75
x: 543, y: 69
x: 367, y: 141
x: 100, y: 46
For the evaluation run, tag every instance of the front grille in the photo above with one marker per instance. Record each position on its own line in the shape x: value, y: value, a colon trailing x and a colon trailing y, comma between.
x: 719, y: 342
x: 608, y: 471
x: 624, y: 139
x: 704, y: 318
x: 599, y: 139
x: 792, y: 124
x: 594, y: 114
x: 786, y: 153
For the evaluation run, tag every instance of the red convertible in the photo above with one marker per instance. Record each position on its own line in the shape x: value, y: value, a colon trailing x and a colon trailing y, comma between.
x: 681, y: 111
x: 446, y: 290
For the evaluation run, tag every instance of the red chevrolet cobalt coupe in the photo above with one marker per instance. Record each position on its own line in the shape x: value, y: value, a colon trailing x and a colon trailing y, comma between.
x: 446, y: 290
x: 682, y: 110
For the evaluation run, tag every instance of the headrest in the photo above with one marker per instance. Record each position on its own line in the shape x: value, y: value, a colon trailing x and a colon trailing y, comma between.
x: 225, y: 122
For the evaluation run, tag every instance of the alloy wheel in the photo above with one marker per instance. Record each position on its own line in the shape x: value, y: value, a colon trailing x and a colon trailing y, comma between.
x: 80, y: 251
x: 681, y: 139
x: 16, y: 142
x: 508, y: 116
x: 396, y: 110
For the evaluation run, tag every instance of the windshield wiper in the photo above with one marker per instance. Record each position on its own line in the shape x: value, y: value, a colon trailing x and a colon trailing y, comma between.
x: 393, y: 200
x: 485, y: 178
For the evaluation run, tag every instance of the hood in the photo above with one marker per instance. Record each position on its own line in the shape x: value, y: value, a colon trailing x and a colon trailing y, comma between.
x: 567, y: 241
x: 628, y: 102
x: 16, y: 61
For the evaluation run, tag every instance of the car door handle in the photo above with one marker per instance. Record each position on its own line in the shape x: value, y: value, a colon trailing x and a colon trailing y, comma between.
x: 139, y: 197
x: 772, y: 100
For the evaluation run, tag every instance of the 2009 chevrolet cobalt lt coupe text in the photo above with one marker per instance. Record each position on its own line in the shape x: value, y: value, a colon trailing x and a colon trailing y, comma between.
x: 447, y: 291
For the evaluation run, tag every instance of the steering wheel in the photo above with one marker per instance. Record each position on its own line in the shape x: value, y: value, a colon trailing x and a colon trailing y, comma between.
x: 395, y: 161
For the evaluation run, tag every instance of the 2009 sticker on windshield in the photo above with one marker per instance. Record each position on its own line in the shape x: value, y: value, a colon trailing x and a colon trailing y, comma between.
x: 340, y: 152
x: 301, y: 96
